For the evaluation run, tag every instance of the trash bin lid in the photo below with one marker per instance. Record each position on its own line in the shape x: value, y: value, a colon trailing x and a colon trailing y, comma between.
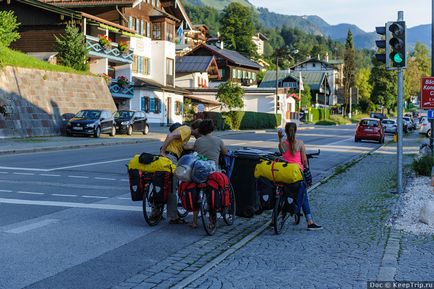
x: 251, y: 153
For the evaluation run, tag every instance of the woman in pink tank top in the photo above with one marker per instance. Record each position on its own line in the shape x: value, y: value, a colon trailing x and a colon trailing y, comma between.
x: 293, y: 151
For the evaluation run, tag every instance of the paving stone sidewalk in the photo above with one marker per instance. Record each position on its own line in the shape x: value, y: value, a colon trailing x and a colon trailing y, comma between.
x: 353, y: 207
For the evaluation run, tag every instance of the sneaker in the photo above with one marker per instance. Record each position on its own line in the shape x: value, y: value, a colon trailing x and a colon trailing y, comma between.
x: 314, y: 227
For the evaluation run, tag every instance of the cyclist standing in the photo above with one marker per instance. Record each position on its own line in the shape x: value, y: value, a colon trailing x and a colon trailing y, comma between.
x: 294, y: 151
x: 172, y: 148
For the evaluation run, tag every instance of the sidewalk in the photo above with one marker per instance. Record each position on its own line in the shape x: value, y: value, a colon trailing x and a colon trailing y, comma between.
x: 355, y: 246
x: 35, y: 144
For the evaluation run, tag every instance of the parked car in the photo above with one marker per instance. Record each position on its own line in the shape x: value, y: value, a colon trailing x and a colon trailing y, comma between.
x: 389, y: 125
x: 411, y: 125
x: 369, y: 129
x: 425, y: 126
x: 129, y: 121
x: 378, y: 115
x: 91, y: 122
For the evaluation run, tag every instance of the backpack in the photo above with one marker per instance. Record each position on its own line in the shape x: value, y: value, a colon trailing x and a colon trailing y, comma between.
x: 280, y: 172
x: 189, y: 195
x: 218, y: 191
x: 266, y: 190
x: 161, y: 186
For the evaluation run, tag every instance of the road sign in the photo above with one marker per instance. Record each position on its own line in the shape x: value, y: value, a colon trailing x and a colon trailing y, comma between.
x: 427, y: 93
x: 430, y: 114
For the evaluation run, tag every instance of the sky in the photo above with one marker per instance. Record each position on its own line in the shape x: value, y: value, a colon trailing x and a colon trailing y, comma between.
x: 366, y: 14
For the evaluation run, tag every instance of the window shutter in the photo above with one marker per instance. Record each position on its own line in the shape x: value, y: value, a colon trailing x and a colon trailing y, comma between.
x: 135, y: 59
x: 152, y: 104
x: 137, y: 26
x: 130, y: 22
x: 142, y: 104
x: 147, y: 104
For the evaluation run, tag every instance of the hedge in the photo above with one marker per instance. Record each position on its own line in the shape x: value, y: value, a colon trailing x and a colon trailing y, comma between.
x: 317, y: 114
x: 244, y: 119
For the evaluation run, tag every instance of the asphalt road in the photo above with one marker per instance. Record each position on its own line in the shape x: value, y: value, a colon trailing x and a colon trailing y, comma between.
x: 67, y: 221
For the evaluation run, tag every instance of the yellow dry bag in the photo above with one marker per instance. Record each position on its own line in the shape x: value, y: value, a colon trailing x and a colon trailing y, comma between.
x: 161, y: 164
x: 278, y: 172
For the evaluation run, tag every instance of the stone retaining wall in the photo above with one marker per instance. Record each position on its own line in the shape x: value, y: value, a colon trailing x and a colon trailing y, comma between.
x: 33, y: 101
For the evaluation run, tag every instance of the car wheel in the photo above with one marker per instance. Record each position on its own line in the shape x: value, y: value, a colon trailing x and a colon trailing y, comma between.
x: 356, y: 139
x: 146, y: 130
x: 97, y: 132
x: 428, y: 133
x: 130, y: 130
x: 113, y: 132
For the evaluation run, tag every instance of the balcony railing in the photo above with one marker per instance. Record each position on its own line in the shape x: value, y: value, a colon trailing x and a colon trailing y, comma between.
x: 97, y: 50
x: 125, y: 91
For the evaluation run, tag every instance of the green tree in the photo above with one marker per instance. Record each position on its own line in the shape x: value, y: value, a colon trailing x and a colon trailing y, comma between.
x: 306, y: 97
x: 364, y: 87
x: 384, y: 89
x: 237, y: 29
x: 349, y: 69
x: 230, y: 95
x: 8, y: 28
x: 418, y: 66
x: 204, y: 15
x: 72, y: 49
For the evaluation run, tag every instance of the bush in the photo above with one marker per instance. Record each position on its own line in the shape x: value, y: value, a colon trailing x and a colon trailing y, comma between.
x: 326, y: 122
x: 216, y: 118
x: 8, y: 28
x: 339, y: 119
x: 243, y: 119
x: 423, y: 166
x: 318, y: 114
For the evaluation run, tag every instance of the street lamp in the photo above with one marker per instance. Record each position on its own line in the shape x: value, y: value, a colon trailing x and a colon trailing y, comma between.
x: 280, y: 53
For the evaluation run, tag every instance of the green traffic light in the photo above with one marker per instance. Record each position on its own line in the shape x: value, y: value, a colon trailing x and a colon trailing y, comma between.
x: 397, y: 58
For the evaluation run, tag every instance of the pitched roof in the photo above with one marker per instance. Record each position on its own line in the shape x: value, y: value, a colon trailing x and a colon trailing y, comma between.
x: 312, y: 78
x: 187, y: 64
x: 230, y: 55
x: 81, y: 3
x: 326, y: 64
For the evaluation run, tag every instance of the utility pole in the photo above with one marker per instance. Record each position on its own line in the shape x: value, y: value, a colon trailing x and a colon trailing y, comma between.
x: 431, y: 138
x: 400, y: 118
x: 277, y: 80
x: 351, y: 102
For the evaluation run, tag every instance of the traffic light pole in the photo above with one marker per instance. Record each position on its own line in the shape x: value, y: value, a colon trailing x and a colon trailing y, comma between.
x: 400, y: 119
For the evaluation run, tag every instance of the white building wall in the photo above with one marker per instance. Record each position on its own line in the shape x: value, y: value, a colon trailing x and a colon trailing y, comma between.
x: 186, y: 81
x: 161, y: 50
x: 99, y: 66
x: 259, y: 102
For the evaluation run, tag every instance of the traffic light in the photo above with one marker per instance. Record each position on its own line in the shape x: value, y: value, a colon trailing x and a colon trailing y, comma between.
x: 381, y: 44
x: 396, y: 43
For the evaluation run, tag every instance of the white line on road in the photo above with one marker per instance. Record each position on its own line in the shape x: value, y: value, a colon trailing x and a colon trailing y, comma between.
x: 122, y: 198
x: 4, y: 172
x: 94, y: 197
x: 89, y: 164
x: 339, y: 141
x: 237, y: 144
x: 24, y: 174
x: 33, y: 226
x: 24, y: 169
x: 49, y: 175
x: 72, y: 205
x: 256, y: 141
x: 124, y: 180
x: 78, y: 177
x: 63, y: 195
x: 5, y: 191
x: 30, y: 193
x: 107, y: 179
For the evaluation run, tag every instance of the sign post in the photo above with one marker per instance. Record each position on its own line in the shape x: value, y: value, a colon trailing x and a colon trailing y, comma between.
x: 427, y: 102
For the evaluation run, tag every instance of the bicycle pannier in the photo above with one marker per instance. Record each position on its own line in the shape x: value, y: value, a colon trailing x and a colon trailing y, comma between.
x: 280, y: 172
x: 160, y: 164
x: 218, y: 191
x: 290, y: 196
x: 266, y: 190
x: 162, y: 186
x: 189, y: 195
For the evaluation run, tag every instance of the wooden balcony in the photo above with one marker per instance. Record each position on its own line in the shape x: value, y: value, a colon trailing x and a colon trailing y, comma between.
x: 118, y: 91
x: 113, y: 54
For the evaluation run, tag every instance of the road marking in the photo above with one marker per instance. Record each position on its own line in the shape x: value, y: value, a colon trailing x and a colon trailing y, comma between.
x: 108, y: 179
x: 24, y: 169
x: 49, y: 175
x: 63, y: 195
x: 6, y: 191
x: 122, y: 198
x: 124, y: 180
x: 344, y: 140
x: 30, y: 193
x: 24, y: 174
x: 257, y: 141
x: 72, y: 205
x: 4, y: 172
x: 237, y: 144
x: 33, y: 226
x: 78, y: 177
x: 94, y: 197
x: 89, y: 164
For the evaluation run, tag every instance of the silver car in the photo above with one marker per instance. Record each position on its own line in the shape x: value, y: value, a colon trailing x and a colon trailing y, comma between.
x: 389, y: 125
x: 425, y: 126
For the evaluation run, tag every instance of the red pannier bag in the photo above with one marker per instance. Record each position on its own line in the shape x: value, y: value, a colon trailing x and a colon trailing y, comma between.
x: 162, y: 186
x: 188, y: 193
x: 218, y: 191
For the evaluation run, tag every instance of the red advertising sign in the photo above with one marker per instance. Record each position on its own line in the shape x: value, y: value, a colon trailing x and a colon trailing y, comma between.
x: 427, y: 93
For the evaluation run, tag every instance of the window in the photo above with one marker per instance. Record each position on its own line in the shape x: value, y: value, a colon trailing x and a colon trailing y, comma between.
x: 153, y: 2
x: 222, y: 73
x: 178, y: 108
x: 148, y: 29
x: 253, y: 76
x: 240, y: 74
x: 152, y: 105
x: 170, y: 31
x: 141, y: 65
x: 138, y: 26
x: 169, y: 71
x: 156, y: 31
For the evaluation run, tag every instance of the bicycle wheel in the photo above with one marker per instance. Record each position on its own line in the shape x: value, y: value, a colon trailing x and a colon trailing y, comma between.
x: 279, y: 216
x: 229, y: 213
x: 209, y: 219
x: 152, y: 212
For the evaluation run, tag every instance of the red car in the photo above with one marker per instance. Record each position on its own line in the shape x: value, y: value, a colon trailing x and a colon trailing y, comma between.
x: 369, y: 129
